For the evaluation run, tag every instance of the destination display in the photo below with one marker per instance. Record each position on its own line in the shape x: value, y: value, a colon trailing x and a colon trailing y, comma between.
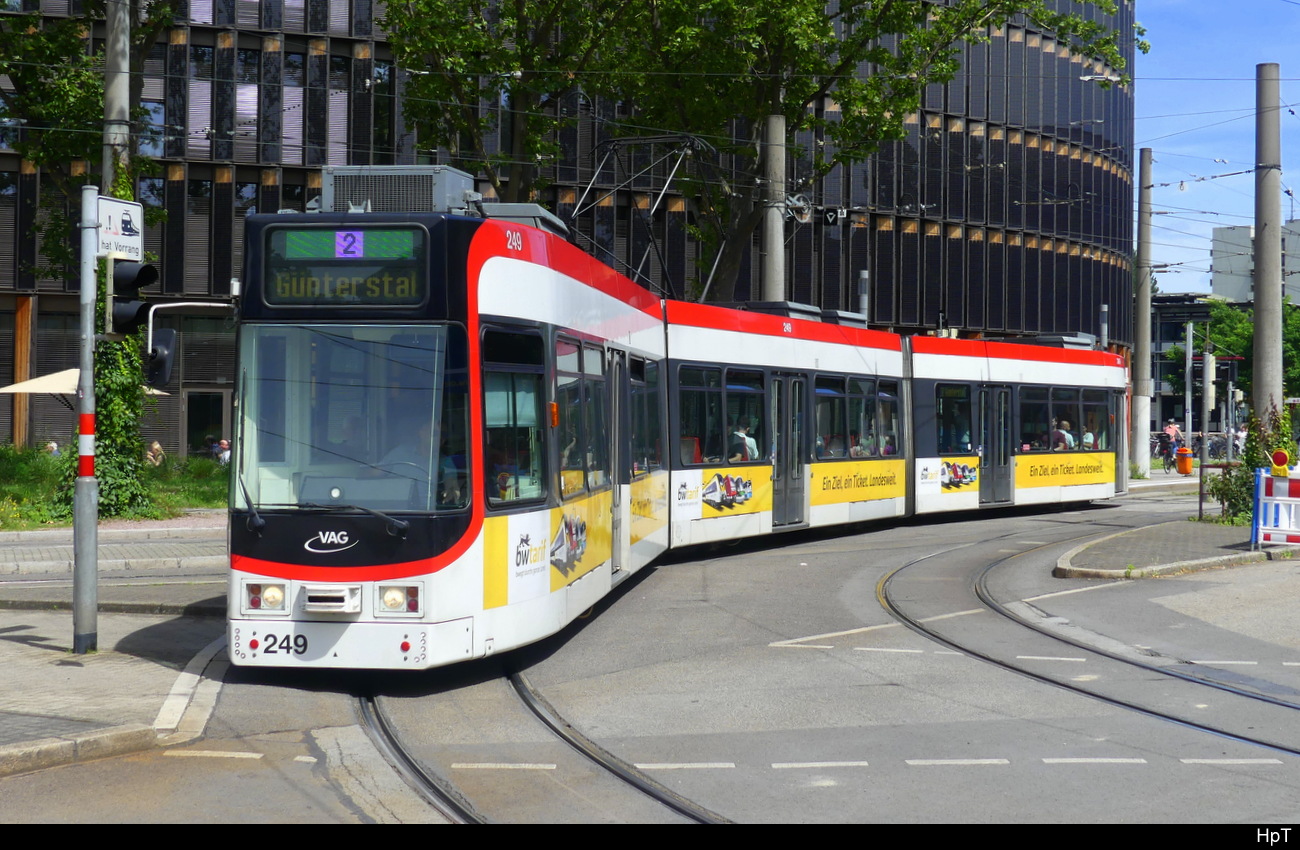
x: 345, y: 266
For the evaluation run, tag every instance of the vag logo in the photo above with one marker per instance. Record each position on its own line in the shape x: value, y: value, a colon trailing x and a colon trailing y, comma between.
x: 329, y: 542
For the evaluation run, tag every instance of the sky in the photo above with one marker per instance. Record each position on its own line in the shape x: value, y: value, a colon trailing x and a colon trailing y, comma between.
x: 1195, y: 108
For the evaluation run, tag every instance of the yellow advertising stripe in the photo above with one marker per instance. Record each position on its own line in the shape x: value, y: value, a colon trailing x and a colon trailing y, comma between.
x: 857, y: 481
x: 1061, y: 469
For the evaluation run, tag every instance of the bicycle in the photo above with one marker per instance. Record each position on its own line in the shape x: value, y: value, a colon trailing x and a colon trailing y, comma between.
x: 1165, y: 450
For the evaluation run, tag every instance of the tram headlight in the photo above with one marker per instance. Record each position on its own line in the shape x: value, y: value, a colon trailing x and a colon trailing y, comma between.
x: 273, y: 597
x: 399, y: 599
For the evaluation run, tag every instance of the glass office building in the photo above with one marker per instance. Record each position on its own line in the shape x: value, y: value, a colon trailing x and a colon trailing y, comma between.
x: 1006, y: 209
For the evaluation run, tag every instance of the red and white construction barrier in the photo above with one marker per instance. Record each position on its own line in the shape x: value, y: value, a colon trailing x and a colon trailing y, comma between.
x: 1276, y: 517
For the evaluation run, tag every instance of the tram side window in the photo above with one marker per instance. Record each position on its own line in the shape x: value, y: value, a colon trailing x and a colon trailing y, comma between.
x: 1035, y: 420
x: 513, y: 397
x: 745, y: 439
x: 647, y: 439
x: 832, y: 435
x: 863, y: 441
x: 1065, y: 407
x: 700, y: 417
x: 1051, y: 419
x: 889, y: 415
x: 1097, y: 421
x: 953, y: 415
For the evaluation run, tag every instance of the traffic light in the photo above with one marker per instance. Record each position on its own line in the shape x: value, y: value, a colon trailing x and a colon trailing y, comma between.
x: 126, y: 312
x: 158, y: 368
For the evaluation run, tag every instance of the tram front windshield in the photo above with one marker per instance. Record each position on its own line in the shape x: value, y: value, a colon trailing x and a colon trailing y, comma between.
x: 352, y: 417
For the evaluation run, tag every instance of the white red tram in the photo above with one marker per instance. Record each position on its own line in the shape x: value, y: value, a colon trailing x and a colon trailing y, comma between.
x: 457, y: 434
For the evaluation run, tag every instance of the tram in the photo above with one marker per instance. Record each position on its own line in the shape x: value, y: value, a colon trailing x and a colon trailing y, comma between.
x: 456, y: 433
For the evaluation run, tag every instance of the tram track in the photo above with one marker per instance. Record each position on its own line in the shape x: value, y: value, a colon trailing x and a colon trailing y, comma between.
x: 1122, y: 680
x: 554, y: 776
x: 432, y: 789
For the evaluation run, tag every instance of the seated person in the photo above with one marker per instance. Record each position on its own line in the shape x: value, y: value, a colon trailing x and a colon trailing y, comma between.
x: 409, y: 459
x: 741, y: 446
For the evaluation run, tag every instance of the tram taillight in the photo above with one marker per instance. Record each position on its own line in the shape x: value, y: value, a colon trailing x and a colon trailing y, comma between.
x: 403, y: 599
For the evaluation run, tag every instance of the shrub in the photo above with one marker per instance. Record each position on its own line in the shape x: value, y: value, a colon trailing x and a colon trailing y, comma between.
x: 1235, y: 488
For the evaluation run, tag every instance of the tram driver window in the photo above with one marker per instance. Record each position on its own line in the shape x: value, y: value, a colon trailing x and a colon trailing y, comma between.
x: 512, y: 410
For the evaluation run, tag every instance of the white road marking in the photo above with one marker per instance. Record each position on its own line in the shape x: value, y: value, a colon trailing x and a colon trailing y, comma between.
x: 1231, y: 761
x: 1090, y: 587
x: 1046, y: 658
x: 1094, y: 761
x: 884, y: 649
x: 953, y: 614
x: 699, y: 765
x: 815, y: 765
x: 488, y: 765
x: 958, y: 762
x: 1226, y: 663
x: 800, y: 641
x: 211, y: 754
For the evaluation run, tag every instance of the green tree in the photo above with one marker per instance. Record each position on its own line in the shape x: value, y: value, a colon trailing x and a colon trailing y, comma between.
x: 495, y: 78
x: 718, y: 68
x: 490, y: 78
x: 53, y: 112
x: 1235, y: 487
x: 1233, y: 331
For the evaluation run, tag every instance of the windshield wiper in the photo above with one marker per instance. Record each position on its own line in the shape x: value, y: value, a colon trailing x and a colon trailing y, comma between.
x: 396, y: 527
x: 255, y: 522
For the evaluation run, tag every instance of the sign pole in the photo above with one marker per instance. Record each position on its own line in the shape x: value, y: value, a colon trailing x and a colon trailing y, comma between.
x: 85, y: 496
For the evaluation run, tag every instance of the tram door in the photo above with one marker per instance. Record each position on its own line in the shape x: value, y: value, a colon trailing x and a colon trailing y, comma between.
x: 620, y: 457
x: 789, y: 474
x: 995, y: 442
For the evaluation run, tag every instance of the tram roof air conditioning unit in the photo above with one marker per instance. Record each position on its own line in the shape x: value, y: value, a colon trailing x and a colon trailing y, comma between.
x: 396, y: 188
x: 421, y: 188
